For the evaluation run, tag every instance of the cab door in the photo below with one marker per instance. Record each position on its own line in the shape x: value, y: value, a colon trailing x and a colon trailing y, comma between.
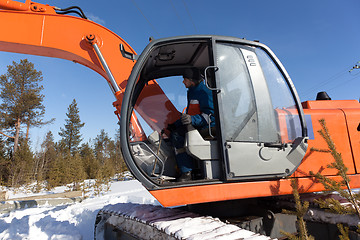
x: 263, y: 131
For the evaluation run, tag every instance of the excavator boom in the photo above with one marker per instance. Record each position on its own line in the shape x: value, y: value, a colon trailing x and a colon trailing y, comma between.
x: 36, y: 29
x: 46, y: 33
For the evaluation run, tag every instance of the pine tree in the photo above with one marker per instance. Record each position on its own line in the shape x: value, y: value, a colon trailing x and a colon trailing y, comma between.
x: 76, y: 172
x: 90, y: 163
x: 5, y: 162
x: 119, y: 160
x: 35, y: 120
x: 342, y: 187
x: 101, y: 146
x: 22, y: 165
x: 21, y: 99
x: 103, y: 152
x: 71, y: 136
x: 45, y: 158
x: 301, y: 209
x: 57, y: 172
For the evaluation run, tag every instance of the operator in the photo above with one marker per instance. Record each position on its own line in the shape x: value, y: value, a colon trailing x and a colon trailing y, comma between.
x: 199, y: 113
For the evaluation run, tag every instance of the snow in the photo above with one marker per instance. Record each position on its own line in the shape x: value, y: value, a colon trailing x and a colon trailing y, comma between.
x: 76, y: 221
x: 70, y: 222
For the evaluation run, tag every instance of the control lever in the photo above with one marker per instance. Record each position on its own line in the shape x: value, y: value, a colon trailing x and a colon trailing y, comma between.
x: 157, y: 152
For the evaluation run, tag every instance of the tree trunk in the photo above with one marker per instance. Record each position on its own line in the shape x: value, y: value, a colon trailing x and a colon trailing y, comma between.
x: 36, y: 168
x: 27, y: 130
x: 17, y: 134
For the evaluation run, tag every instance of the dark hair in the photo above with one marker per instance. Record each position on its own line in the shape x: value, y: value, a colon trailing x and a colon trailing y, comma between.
x: 193, y: 74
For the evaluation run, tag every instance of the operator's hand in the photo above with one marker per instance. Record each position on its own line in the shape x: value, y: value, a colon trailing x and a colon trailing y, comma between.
x: 185, y: 119
x: 171, y: 127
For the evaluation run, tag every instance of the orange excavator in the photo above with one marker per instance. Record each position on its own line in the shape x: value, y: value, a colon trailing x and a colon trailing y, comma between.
x: 263, y: 133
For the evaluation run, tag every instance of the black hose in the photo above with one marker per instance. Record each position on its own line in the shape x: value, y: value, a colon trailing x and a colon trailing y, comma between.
x: 71, y: 10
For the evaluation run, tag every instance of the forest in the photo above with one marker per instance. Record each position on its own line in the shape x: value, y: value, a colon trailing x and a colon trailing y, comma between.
x: 69, y: 160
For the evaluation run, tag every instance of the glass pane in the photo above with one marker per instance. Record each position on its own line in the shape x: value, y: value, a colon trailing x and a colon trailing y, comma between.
x: 282, y: 99
x: 158, y: 104
x: 238, y: 108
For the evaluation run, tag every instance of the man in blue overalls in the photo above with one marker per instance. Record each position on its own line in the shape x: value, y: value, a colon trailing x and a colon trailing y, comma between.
x: 199, y: 113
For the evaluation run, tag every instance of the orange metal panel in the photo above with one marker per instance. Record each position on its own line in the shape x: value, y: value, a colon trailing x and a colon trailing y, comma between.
x: 318, y: 161
x: 333, y: 104
x: 353, y: 123
x: 229, y: 191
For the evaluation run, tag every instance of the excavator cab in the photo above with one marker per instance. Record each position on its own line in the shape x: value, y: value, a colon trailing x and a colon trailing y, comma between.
x: 260, y: 128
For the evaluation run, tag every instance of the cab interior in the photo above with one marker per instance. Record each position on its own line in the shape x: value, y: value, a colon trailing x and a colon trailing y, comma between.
x: 155, y: 155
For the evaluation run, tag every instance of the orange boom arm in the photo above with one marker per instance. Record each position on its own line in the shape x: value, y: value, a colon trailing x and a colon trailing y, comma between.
x: 46, y: 33
x: 33, y: 28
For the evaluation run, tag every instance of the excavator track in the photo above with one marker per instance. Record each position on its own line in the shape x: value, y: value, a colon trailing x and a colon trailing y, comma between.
x: 141, y: 221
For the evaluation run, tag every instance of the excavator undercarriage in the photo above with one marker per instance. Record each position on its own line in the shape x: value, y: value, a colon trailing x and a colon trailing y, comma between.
x: 259, y: 218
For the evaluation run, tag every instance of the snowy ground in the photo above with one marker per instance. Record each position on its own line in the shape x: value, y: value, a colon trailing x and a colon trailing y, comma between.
x: 74, y: 221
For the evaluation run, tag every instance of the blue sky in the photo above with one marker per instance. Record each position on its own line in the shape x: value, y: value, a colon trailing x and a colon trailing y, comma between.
x: 318, y: 42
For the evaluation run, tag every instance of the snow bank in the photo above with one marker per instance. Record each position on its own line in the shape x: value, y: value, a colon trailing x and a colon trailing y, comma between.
x: 70, y: 222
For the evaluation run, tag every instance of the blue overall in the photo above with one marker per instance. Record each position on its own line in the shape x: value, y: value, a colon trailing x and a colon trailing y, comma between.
x: 201, y: 108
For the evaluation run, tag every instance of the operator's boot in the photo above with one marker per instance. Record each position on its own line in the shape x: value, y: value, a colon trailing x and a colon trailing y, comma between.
x: 184, y: 177
x: 185, y: 164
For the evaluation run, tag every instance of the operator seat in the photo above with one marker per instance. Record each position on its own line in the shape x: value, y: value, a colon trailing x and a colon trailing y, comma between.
x: 206, y: 151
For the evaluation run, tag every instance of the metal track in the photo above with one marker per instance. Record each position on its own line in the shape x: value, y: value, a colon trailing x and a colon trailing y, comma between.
x: 141, y: 221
